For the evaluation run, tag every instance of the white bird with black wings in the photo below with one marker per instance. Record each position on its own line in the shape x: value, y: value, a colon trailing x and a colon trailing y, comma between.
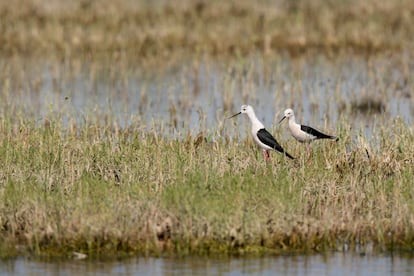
x: 261, y: 136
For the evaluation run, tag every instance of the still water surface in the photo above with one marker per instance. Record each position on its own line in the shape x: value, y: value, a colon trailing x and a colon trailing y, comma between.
x: 197, y: 97
x: 334, y: 264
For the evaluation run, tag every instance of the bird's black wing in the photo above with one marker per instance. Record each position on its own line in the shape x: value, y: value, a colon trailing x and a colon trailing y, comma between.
x: 316, y: 133
x: 266, y: 138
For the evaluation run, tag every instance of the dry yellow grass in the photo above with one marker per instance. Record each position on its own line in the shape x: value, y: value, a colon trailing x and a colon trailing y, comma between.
x: 161, y: 29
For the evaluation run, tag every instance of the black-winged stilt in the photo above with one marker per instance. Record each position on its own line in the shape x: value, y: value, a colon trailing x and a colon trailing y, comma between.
x: 261, y: 136
x: 302, y: 133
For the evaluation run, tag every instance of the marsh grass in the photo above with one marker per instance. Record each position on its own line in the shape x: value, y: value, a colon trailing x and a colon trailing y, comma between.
x: 107, y: 191
x: 73, y: 178
x: 142, y: 30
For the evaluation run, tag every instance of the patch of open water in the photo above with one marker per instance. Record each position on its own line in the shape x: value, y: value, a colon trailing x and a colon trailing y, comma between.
x: 197, y: 97
x: 330, y: 264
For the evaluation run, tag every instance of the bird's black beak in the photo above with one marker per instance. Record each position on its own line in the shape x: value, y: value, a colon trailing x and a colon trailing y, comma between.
x: 234, y: 115
x: 282, y: 119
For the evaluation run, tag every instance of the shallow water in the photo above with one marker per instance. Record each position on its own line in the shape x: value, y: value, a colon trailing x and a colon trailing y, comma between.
x: 333, y: 264
x: 198, y: 96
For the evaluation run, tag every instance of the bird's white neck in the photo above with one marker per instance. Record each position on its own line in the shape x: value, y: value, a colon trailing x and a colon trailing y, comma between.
x: 256, y: 124
x: 292, y: 121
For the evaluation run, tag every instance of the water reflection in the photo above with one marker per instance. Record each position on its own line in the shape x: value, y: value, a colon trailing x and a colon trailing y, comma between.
x: 331, y: 264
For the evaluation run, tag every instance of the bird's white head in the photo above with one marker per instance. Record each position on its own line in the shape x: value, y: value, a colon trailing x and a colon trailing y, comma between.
x: 248, y: 110
x: 245, y: 109
x: 287, y: 114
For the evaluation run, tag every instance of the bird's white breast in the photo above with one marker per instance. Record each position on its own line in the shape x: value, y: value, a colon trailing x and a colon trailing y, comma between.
x: 258, y: 142
x: 299, y: 134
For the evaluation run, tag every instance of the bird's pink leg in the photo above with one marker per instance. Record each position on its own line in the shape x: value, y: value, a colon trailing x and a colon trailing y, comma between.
x: 308, y: 146
x: 266, y: 155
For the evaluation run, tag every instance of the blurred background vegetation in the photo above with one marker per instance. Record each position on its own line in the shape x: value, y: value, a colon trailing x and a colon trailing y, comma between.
x: 159, y: 29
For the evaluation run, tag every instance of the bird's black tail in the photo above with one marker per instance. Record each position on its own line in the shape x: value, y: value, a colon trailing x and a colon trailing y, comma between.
x: 331, y: 137
x: 288, y: 155
x: 325, y: 136
x: 317, y: 133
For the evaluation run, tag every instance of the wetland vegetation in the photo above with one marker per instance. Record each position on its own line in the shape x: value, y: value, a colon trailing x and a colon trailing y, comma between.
x: 100, y: 190
x: 162, y: 29
x: 113, y: 139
